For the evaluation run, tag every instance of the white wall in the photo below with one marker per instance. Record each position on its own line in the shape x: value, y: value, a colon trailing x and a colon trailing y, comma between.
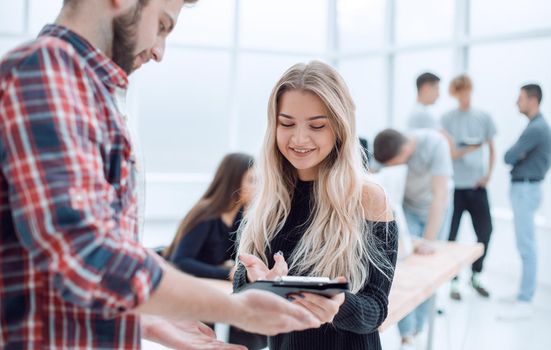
x: 209, y: 96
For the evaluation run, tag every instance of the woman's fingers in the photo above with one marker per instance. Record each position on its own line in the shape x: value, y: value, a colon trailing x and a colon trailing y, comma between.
x: 280, y: 267
x: 321, y: 313
x: 256, y: 269
x: 250, y: 260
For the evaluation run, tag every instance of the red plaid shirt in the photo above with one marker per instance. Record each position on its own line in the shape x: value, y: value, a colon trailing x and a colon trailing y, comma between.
x: 70, y: 259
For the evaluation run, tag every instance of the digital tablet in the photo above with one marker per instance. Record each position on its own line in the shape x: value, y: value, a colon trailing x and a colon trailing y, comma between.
x: 295, y: 285
x: 470, y: 142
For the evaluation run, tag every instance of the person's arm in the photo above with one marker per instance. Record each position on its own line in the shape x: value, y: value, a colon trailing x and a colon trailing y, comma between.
x: 455, y: 152
x: 182, y: 297
x: 186, y: 253
x: 365, y: 311
x: 527, y: 141
x: 482, y: 183
x: 52, y: 158
x: 439, y: 190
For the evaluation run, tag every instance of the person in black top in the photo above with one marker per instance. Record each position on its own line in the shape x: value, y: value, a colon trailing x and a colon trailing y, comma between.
x: 316, y: 213
x: 204, y: 242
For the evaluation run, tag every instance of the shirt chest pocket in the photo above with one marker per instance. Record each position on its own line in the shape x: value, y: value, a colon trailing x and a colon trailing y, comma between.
x: 121, y: 170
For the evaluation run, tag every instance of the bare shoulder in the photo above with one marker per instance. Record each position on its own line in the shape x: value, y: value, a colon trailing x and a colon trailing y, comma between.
x: 376, y: 204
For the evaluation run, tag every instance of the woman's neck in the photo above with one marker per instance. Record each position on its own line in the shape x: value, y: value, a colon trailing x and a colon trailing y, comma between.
x: 228, y: 217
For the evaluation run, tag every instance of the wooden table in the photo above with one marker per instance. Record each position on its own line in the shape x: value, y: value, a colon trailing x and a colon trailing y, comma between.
x: 418, y: 276
x: 416, y: 279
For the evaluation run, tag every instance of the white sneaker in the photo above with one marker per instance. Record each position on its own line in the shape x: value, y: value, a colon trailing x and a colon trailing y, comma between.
x: 520, y: 310
x: 408, y: 346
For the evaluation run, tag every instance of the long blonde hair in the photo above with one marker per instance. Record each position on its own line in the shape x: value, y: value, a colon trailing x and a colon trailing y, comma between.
x: 338, y: 241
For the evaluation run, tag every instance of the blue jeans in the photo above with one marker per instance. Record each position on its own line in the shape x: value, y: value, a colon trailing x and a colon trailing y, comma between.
x: 414, y: 321
x: 525, y: 200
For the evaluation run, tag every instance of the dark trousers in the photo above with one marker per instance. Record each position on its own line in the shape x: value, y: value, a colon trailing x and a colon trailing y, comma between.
x: 475, y: 201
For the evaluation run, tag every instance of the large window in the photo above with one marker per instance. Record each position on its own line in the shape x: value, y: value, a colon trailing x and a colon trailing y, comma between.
x: 210, y: 94
x: 499, y: 70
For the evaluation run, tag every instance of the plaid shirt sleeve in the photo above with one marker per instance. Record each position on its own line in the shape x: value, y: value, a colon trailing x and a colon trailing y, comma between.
x: 63, y: 207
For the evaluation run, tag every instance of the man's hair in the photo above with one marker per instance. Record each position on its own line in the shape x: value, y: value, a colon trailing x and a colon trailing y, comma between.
x: 460, y: 83
x: 142, y: 2
x: 426, y: 78
x: 388, y: 144
x: 533, y: 90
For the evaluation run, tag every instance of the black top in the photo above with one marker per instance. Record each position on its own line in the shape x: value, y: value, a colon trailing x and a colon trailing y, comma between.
x: 207, y: 246
x: 355, y: 325
x: 530, y: 156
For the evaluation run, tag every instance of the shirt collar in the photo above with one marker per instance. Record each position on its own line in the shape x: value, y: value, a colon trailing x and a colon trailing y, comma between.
x: 537, y: 116
x: 107, y: 70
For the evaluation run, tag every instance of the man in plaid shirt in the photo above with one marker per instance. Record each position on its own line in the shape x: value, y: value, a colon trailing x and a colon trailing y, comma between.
x: 72, y: 272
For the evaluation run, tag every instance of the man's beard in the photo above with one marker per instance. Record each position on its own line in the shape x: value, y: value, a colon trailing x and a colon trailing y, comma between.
x: 125, y: 29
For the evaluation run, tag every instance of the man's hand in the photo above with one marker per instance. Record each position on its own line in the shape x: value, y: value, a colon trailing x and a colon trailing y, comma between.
x: 424, y: 248
x: 267, y: 313
x: 483, y: 182
x: 182, y: 335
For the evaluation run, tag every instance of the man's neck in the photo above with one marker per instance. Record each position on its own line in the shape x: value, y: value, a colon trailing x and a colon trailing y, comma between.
x: 464, y: 107
x: 423, y: 101
x: 96, y: 29
x: 532, y: 114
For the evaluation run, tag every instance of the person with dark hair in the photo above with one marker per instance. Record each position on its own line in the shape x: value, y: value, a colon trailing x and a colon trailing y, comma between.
x: 530, y: 158
x: 75, y: 275
x: 469, y: 129
x: 426, y: 198
x: 204, y: 245
x: 428, y: 85
x: 204, y: 241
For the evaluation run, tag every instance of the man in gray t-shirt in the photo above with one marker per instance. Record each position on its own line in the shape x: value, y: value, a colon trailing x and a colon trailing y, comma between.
x: 427, y: 189
x: 468, y: 129
x: 428, y: 90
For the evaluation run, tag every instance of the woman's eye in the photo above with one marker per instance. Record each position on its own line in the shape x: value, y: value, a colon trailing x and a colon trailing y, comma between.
x: 286, y: 125
x: 316, y: 127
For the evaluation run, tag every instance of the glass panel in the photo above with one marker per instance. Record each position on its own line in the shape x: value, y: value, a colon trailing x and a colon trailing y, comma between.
x: 284, y: 24
x: 12, y: 14
x: 256, y: 77
x: 408, y: 67
x: 366, y: 80
x: 183, y: 111
x: 205, y: 23
x: 8, y: 44
x: 497, y: 16
x: 423, y: 21
x: 167, y: 204
x: 361, y: 24
x: 42, y: 12
x: 498, y: 77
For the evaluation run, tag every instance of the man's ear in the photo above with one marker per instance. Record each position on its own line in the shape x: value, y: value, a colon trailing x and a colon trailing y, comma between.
x: 122, y: 6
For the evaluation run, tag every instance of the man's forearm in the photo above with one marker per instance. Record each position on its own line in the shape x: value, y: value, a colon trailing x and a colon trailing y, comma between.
x: 183, y: 297
x: 436, y: 215
x: 492, y: 158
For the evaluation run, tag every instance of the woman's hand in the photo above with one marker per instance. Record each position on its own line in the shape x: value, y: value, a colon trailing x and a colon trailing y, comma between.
x: 322, y: 307
x: 257, y: 270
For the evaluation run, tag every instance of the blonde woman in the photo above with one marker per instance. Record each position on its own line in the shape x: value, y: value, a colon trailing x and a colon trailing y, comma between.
x: 316, y: 213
